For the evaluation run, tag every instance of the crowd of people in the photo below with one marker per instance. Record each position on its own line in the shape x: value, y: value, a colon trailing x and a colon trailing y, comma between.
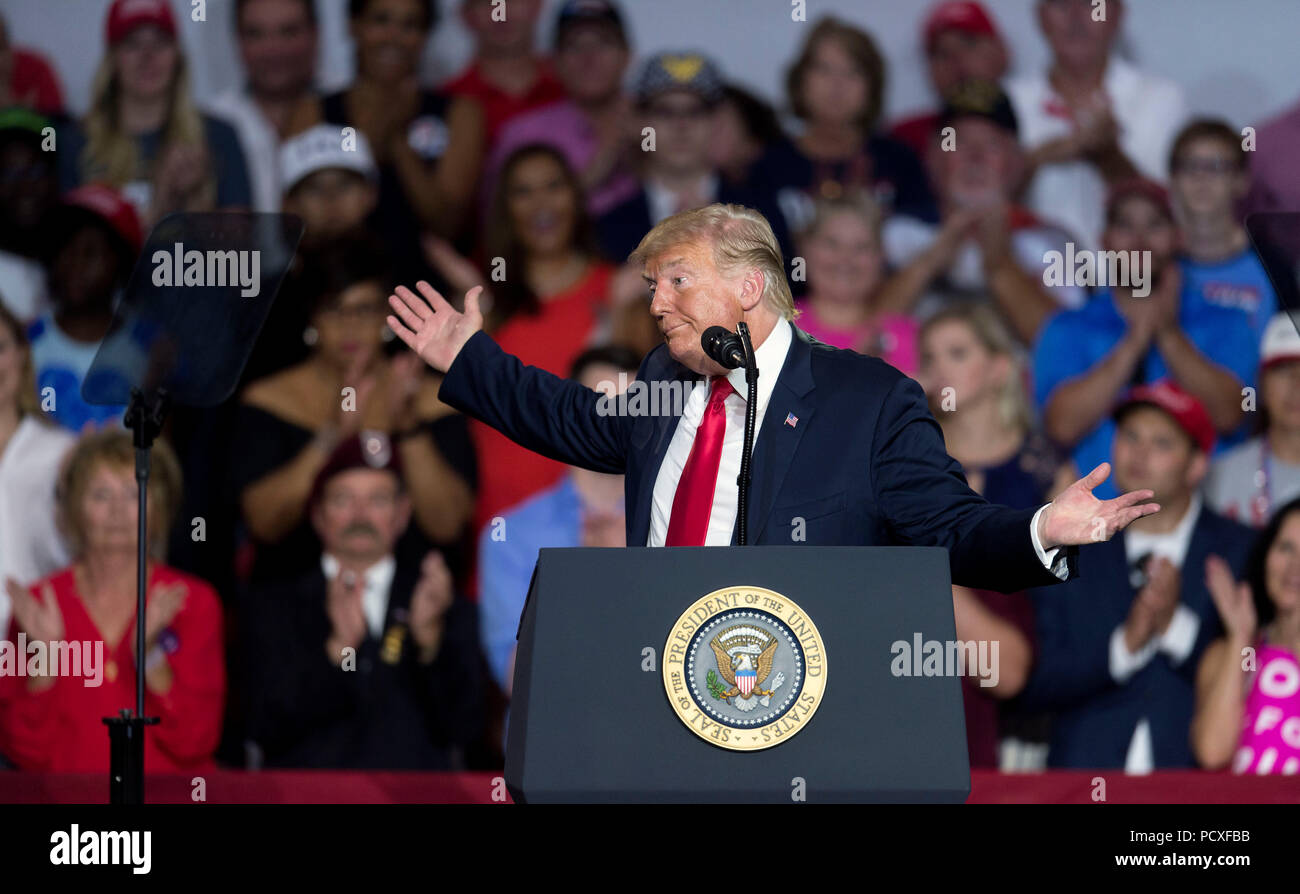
x: 354, y: 599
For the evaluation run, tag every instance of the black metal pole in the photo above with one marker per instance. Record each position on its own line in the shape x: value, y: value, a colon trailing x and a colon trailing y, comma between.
x: 751, y: 414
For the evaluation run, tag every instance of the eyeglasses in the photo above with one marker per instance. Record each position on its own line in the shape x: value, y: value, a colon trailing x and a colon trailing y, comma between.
x: 1217, y: 166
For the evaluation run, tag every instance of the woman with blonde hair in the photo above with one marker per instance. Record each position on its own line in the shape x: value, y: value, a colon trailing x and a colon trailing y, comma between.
x: 31, y: 448
x: 51, y: 718
x: 972, y: 375
x: 143, y: 134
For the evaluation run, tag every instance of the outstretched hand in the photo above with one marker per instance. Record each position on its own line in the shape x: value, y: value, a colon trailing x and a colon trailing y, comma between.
x: 430, y: 326
x: 1076, y: 517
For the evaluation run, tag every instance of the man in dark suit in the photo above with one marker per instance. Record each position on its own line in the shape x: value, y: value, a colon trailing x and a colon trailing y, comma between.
x: 1118, y: 648
x: 847, y: 452
x: 368, y: 661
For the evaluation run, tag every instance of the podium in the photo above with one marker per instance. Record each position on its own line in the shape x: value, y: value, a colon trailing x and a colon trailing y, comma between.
x: 759, y: 674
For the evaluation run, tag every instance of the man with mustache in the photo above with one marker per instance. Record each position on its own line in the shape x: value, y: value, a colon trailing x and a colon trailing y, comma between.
x: 369, y: 661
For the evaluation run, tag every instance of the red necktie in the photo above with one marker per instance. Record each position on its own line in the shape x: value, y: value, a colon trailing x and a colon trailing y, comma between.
x: 693, y: 502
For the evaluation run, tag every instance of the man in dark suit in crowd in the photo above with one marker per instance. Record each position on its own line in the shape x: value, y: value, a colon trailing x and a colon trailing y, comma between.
x: 367, y: 661
x: 1119, y: 647
x: 846, y: 451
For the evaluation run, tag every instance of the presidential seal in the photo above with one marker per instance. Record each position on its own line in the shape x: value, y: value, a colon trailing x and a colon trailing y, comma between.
x: 744, y: 668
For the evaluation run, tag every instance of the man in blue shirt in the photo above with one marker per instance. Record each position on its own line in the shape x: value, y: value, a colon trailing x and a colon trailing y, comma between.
x: 1209, y: 178
x: 584, y: 509
x: 1085, y: 358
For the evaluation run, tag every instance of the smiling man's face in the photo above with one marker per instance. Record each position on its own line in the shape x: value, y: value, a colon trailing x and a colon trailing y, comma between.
x: 688, y: 295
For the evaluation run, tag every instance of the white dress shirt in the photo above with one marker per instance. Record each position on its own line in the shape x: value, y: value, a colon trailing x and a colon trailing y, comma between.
x: 1149, y: 111
x: 259, y: 141
x: 769, y: 357
x: 1177, y: 640
x: 374, y: 596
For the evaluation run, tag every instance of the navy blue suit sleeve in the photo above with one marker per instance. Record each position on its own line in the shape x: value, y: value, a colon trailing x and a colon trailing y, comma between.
x: 925, y: 500
x: 555, y: 417
x: 1072, y: 660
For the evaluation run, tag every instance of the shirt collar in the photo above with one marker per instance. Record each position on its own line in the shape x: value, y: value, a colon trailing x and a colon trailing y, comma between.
x: 769, y: 357
x: 1172, y: 545
x: 374, y: 596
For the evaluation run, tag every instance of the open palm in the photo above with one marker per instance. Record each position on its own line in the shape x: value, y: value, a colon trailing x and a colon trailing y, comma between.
x: 1076, y: 517
x: 430, y: 326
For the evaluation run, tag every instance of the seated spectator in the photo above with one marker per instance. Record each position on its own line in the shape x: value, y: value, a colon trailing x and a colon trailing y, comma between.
x: 505, y: 77
x: 94, y: 247
x: 31, y: 449
x: 745, y: 127
x: 593, y: 126
x: 366, y: 660
x: 426, y: 143
x: 961, y: 43
x: 1124, y: 335
x: 677, y: 95
x: 584, y: 509
x: 277, y: 47
x: 27, y: 79
x: 290, y: 423
x: 836, y: 88
x: 334, y: 190
x: 1247, y: 482
x: 54, y: 722
x: 143, y: 135
x: 548, y: 314
x: 28, y: 196
x: 1248, y: 711
x: 971, y: 372
x: 846, y: 267
x: 1091, y: 119
x: 1208, y: 181
x: 985, y: 243
x: 1117, y: 646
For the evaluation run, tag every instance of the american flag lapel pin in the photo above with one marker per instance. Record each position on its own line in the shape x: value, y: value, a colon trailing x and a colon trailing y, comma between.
x: 791, y: 419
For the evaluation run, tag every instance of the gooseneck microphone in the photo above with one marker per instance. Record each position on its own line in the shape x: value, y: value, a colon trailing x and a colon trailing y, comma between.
x: 724, y: 347
x: 733, y: 350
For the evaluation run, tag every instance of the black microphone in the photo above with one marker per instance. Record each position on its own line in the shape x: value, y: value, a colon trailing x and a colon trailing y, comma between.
x: 724, y: 347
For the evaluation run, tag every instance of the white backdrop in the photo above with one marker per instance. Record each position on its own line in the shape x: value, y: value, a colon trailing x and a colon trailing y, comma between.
x: 1234, y: 58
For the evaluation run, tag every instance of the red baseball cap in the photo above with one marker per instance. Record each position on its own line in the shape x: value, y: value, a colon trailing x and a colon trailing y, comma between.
x: 958, y: 15
x: 1139, y: 186
x: 1182, y: 407
x: 124, y: 16
x: 107, y: 204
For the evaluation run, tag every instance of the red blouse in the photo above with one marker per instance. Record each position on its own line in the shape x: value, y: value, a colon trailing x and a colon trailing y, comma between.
x: 61, y: 728
x: 551, y: 339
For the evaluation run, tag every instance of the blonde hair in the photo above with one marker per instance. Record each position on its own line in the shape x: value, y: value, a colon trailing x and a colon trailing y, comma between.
x: 115, y: 448
x: 993, y: 335
x: 110, y: 154
x: 741, y: 239
x: 28, y: 405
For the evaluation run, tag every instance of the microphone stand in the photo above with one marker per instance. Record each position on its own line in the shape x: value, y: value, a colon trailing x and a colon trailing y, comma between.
x: 751, y: 412
x: 144, y: 416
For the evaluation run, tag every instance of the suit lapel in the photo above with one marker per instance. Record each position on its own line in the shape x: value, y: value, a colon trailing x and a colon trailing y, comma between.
x: 777, y: 442
x: 642, y: 499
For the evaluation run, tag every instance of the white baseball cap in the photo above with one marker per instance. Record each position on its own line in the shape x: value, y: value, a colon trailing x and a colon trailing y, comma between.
x: 325, y: 146
x: 1281, y: 341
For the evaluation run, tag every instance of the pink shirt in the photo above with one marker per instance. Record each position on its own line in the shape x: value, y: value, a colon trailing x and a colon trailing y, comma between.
x: 891, y: 337
x: 1270, y: 736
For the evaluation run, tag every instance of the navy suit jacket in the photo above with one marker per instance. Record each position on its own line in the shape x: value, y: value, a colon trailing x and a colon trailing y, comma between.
x: 864, y: 465
x: 1095, y: 716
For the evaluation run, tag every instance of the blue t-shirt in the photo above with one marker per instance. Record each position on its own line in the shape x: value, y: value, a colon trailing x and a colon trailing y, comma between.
x: 1074, y: 341
x: 61, y: 364
x: 1239, y: 284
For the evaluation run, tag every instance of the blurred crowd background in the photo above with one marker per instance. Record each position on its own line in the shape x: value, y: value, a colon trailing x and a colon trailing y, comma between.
x: 337, y: 583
